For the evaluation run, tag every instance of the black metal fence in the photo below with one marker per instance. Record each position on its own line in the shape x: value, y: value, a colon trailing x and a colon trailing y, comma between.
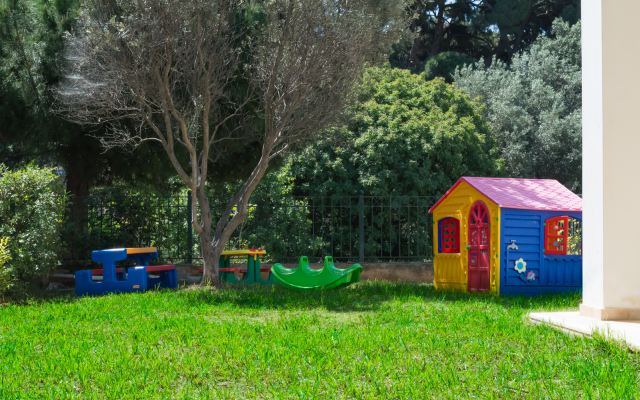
x: 351, y: 229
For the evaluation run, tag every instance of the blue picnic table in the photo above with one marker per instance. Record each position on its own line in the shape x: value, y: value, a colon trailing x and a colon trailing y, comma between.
x: 136, y: 279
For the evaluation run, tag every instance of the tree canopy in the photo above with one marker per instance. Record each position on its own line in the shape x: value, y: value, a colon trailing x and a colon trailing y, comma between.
x: 479, y: 29
x: 32, y: 48
x: 171, y: 65
x: 534, y: 106
x: 404, y: 136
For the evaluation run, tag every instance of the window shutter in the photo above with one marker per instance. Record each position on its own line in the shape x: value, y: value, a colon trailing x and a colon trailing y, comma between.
x: 556, y: 235
x: 449, y: 229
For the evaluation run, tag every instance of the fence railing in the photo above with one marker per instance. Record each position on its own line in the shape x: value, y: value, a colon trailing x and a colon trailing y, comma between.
x: 349, y: 228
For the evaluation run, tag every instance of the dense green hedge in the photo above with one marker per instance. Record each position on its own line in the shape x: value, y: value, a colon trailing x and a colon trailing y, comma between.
x: 32, y: 207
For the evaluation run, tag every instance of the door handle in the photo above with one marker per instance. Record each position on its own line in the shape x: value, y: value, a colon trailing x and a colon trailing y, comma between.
x: 468, y: 247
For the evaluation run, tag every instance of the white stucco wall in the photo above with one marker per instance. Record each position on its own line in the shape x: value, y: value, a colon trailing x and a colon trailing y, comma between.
x: 592, y: 155
x: 611, y: 153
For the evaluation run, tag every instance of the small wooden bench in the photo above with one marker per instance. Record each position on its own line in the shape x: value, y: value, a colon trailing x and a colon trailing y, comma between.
x: 99, y: 272
x: 265, y: 269
x: 226, y: 274
x: 201, y: 270
x: 152, y: 268
x: 159, y: 268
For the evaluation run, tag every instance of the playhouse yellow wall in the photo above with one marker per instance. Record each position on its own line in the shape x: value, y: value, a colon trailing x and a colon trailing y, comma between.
x: 450, y: 269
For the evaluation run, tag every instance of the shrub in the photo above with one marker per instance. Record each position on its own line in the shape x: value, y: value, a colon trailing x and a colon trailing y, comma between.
x: 32, y: 206
x: 534, y: 106
x: 444, y: 65
x: 5, y: 270
x: 404, y: 136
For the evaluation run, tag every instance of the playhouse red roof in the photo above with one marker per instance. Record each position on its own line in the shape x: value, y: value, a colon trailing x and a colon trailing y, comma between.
x: 529, y: 194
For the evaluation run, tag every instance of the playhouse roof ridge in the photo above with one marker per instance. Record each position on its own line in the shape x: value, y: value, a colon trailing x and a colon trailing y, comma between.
x: 529, y: 194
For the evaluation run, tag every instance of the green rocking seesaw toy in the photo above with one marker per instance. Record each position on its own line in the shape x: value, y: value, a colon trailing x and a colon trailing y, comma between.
x: 305, y: 278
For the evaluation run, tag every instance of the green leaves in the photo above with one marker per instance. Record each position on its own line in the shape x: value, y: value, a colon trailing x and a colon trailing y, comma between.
x: 444, y: 65
x: 32, y: 204
x: 535, y: 106
x: 477, y: 29
x: 404, y: 136
x: 5, y: 270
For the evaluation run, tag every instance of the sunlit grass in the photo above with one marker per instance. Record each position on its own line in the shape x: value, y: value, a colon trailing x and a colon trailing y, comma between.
x: 371, y: 340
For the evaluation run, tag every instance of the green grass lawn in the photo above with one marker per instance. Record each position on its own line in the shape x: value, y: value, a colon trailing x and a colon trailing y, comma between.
x: 369, y: 341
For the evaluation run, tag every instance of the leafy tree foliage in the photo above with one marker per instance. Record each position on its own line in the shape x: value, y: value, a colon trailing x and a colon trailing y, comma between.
x: 31, y: 44
x: 5, y: 271
x: 444, y: 65
x: 535, y: 106
x: 480, y: 29
x: 32, y: 206
x: 405, y: 136
x: 31, y: 50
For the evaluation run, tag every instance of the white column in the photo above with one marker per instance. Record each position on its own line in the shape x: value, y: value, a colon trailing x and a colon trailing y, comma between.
x: 611, y: 159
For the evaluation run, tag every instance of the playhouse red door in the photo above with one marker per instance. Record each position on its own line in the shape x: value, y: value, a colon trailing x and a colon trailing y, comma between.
x: 479, y: 242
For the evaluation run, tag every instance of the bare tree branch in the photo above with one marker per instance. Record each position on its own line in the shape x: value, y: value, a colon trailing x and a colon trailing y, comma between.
x: 306, y: 62
x: 168, y: 66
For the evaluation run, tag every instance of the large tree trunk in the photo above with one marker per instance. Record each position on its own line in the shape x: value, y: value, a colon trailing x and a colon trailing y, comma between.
x: 413, y: 54
x: 79, y: 188
x: 77, y: 185
x: 413, y: 57
x: 518, y: 40
x: 439, y: 33
x: 212, y: 249
x: 210, y: 258
x: 210, y: 253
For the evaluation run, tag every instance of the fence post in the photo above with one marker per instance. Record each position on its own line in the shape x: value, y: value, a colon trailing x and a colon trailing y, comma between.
x: 362, y: 226
x: 189, y: 229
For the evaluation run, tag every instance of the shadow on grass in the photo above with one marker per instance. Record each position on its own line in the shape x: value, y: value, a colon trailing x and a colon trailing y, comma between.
x: 363, y: 296
x: 366, y: 296
x: 27, y: 294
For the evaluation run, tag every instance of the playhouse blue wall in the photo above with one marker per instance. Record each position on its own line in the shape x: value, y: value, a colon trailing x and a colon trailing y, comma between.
x: 554, y: 273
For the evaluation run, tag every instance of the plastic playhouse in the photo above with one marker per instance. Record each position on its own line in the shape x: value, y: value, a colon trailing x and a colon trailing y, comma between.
x: 136, y: 279
x: 508, y: 236
x: 250, y: 275
x: 305, y: 278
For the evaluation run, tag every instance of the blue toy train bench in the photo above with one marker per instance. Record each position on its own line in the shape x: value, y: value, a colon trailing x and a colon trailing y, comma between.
x: 137, y: 279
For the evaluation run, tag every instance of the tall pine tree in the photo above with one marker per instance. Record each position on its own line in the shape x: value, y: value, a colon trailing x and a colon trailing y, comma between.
x: 478, y: 29
x: 31, y: 46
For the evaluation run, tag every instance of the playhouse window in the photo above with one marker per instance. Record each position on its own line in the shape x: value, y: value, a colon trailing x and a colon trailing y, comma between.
x: 449, y: 235
x: 563, y: 235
